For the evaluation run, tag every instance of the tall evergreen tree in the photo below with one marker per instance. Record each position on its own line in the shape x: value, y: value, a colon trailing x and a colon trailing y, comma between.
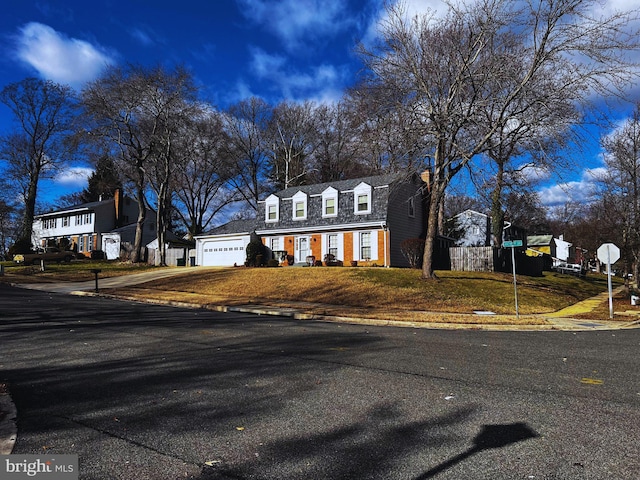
x: 103, y: 182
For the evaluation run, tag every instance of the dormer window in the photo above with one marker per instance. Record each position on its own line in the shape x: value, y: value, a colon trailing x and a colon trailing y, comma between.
x: 362, y: 199
x: 330, y: 202
x: 300, y: 206
x: 272, y: 208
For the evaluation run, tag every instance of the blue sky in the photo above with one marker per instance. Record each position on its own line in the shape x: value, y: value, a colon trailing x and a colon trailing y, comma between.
x: 276, y: 49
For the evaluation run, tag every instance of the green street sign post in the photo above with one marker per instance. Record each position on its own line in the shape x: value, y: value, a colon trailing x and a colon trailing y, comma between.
x: 512, y: 244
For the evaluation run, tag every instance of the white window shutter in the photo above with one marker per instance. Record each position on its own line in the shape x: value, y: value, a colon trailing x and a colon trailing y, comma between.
x: 356, y: 245
x: 374, y: 245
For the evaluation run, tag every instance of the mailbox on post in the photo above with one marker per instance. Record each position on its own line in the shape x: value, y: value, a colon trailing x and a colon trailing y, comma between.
x: 96, y: 271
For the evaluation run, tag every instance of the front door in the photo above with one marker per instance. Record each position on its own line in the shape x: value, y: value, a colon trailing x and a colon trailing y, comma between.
x: 302, y: 249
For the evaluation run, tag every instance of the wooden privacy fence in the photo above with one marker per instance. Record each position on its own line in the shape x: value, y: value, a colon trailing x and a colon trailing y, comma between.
x: 473, y: 259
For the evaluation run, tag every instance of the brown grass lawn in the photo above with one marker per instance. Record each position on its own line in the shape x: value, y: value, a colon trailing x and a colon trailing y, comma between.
x: 76, y: 271
x: 399, y: 289
x: 384, y: 293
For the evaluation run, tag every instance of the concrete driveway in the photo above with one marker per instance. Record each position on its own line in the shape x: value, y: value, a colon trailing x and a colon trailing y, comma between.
x: 111, y: 282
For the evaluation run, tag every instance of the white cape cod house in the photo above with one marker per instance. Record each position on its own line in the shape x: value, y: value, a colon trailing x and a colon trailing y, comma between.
x: 362, y: 220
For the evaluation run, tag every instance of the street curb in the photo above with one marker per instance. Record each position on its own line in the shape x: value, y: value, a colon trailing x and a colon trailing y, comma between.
x: 8, y: 424
x: 553, y: 324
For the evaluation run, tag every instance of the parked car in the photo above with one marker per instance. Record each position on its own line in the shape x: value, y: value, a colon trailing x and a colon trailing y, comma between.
x: 569, y: 268
x: 49, y: 254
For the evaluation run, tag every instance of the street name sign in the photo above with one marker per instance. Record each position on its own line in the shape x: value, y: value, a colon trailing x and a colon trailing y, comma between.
x: 512, y: 243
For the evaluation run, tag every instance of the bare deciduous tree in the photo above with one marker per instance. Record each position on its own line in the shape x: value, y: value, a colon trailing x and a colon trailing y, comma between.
x: 140, y: 111
x: 446, y: 72
x: 292, y: 143
x: 202, y: 171
x: 40, y: 145
x: 246, y: 125
x: 336, y: 155
x: 168, y: 103
x: 622, y: 185
x: 114, y: 114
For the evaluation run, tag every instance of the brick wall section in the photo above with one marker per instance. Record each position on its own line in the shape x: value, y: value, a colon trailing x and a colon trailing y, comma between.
x: 316, y: 246
x: 381, y: 249
x: 289, y: 245
x: 348, y: 247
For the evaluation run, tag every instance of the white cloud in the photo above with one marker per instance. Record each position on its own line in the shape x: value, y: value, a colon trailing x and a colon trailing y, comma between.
x: 59, y: 58
x: 294, y: 20
x: 74, y: 176
x: 534, y: 173
x: 580, y: 191
x: 266, y: 65
x: 320, y: 82
x: 411, y: 9
x: 141, y: 36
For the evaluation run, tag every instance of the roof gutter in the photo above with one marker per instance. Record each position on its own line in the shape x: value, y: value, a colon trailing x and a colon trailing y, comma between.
x: 323, y: 228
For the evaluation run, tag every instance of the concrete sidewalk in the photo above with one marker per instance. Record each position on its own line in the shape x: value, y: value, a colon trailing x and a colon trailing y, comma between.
x: 107, y: 283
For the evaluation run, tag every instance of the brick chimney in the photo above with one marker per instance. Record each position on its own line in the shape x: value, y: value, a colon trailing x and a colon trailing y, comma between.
x: 117, y: 201
x: 426, y: 177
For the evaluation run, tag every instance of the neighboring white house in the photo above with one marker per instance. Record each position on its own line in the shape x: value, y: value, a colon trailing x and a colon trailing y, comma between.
x: 473, y: 229
x: 563, y: 250
x: 103, y: 225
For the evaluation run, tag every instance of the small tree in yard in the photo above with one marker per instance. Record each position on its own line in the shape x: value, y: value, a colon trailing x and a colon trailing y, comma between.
x: 255, y: 253
x: 413, y: 249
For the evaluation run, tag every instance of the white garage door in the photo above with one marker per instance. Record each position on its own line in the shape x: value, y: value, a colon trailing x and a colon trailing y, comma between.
x: 224, y: 253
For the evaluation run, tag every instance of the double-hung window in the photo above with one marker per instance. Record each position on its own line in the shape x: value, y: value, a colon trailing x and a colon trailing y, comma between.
x: 332, y: 245
x: 363, y: 202
x: 330, y: 206
x: 300, y: 206
x: 330, y: 202
x: 362, y: 199
x: 365, y: 245
x: 272, y: 208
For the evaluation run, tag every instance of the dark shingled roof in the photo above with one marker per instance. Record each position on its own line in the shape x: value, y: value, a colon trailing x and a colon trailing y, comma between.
x: 234, y: 226
x: 340, y: 185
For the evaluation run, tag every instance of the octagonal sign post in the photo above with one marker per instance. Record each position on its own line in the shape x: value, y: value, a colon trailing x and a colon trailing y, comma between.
x: 609, y: 253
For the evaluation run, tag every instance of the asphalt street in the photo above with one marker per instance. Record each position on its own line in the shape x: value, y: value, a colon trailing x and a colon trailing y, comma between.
x: 151, y: 392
